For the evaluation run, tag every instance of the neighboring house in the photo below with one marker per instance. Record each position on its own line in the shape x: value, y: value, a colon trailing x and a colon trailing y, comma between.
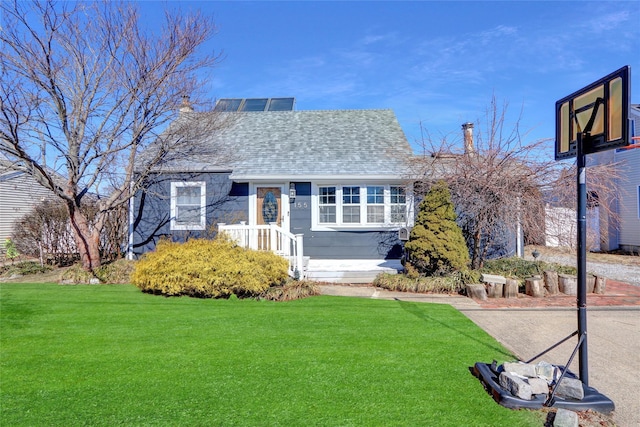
x: 19, y: 193
x: 334, y: 178
x: 629, y: 184
x: 625, y: 233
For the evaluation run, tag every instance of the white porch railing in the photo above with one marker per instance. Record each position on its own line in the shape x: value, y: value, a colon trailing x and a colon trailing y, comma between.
x: 269, y: 238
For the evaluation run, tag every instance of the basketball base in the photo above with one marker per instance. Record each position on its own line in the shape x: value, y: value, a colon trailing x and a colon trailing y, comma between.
x: 592, y: 398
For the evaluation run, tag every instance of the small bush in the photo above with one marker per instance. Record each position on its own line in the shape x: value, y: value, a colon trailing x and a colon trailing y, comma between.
x: 519, y: 268
x: 292, y: 290
x: 10, y: 250
x: 117, y: 272
x: 23, y: 268
x: 208, y: 269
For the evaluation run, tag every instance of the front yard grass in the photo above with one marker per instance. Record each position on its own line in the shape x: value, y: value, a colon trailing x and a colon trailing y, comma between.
x: 111, y: 355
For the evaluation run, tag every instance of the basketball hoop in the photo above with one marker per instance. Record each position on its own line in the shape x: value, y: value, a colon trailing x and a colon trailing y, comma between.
x: 599, y: 112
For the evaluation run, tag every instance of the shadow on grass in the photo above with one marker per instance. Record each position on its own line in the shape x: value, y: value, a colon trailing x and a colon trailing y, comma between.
x: 413, y: 309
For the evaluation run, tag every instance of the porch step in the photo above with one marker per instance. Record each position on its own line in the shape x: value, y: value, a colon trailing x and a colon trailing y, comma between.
x: 350, y: 270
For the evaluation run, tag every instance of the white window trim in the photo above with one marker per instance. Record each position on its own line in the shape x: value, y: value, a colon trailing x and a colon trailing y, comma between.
x: 203, y: 205
x: 316, y: 225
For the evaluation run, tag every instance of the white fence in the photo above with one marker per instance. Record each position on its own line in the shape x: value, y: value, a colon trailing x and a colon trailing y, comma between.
x: 270, y: 238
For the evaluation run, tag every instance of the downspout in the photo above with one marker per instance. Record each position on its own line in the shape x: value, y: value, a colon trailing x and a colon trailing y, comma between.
x: 519, y: 248
x: 131, y: 207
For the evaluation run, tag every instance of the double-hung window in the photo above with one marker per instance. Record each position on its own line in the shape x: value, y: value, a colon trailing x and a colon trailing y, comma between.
x: 188, y: 205
x: 372, y: 205
x: 327, y: 205
x: 375, y: 204
x: 398, y: 204
x: 351, y: 205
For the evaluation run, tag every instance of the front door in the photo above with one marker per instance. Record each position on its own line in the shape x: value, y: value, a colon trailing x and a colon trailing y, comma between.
x: 269, y: 210
x: 269, y: 206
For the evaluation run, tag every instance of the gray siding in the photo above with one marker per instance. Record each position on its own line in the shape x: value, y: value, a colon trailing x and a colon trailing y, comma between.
x: 629, y: 204
x: 19, y: 193
x: 339, y: 244
x: 629, y: 186
x: 226, y: 202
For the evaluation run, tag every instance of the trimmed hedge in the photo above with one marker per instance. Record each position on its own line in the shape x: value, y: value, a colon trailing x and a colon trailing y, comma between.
x: 208, y: 269
x: 450, y: 284
x: 519, y: 268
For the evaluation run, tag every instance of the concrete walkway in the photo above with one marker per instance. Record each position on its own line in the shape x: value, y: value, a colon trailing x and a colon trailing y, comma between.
x: 613, y: 339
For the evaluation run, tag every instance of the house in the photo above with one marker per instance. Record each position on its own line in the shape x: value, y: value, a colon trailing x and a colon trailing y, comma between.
x: 625, y: 232
x: 331, y: 181
x: 19, y: 193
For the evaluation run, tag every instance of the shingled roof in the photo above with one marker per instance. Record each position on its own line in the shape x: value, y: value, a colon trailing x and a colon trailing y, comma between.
x: 305, y: 144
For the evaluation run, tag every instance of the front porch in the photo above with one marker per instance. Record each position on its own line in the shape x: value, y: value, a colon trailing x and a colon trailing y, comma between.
x: 291, y: 246
x: 350, y: 270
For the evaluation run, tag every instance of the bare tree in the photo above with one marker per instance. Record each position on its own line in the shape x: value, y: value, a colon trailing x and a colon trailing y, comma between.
x: 500, y: 182
x: 85, y: 88
x: 602, y: 198
x: 495, y: 181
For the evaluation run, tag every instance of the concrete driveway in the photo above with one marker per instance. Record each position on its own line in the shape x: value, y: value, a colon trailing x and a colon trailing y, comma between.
x: 613, y: 341
x: 613, y: 335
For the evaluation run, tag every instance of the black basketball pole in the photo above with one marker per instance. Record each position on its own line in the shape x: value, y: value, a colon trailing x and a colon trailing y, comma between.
x: 582, y: 255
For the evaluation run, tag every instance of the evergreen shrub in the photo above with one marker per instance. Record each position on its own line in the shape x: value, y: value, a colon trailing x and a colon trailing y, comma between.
x: 208, y: 269
x: 436, y: 245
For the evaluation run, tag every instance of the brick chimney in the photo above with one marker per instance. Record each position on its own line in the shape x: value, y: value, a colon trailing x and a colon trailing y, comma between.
x: 186, y: 105
x: 467, y: 129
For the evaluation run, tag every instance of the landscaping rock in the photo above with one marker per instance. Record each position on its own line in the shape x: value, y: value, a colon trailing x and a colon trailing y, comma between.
x: 547, y: 371
x: 515, y: 385
x: 538, y: 386
x: 510, y: 289
x: 477, y: 291
x: 565, y: 418
x: 493, y: 278
x: 551, y: 282
x: 591, y: 283
x: 534, y: 286
x: 522, y: 369
x: 568, y: 284
x: 570, y: 387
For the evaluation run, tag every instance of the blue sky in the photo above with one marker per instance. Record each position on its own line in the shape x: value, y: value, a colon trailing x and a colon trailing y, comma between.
x: 435, y: 63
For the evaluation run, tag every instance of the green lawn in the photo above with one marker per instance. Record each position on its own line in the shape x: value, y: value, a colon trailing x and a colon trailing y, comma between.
x: 110, y: 355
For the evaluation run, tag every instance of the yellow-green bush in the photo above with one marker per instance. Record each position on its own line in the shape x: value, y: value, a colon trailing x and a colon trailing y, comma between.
x: 208, y: 269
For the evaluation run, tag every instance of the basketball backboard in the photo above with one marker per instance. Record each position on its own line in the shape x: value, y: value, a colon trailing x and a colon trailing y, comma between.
x: 601, y: 109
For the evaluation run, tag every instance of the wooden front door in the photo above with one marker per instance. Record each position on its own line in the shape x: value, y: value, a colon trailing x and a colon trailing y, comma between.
x: 269, y: 205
